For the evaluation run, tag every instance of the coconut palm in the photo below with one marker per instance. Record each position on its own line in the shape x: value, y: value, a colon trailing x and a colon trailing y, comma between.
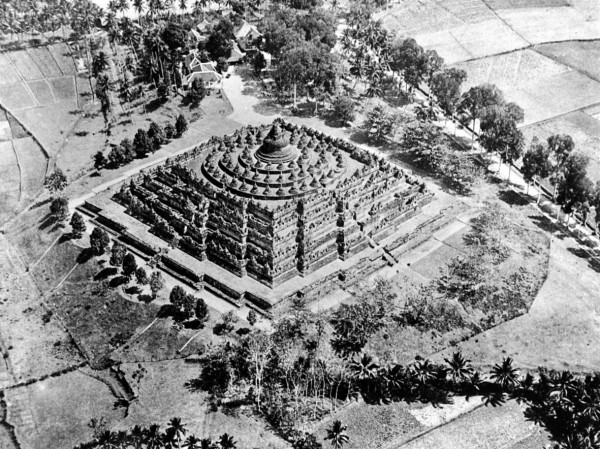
x: 563, y: 384
x: 191, y: 443
x: 177, y: 429
x: 424, y: 371
x: 337, y: 434
x: 459, y: 368
x: 153, y: 437
x: 227, y: 442
x: 364, y: 368
x: 505, y: 374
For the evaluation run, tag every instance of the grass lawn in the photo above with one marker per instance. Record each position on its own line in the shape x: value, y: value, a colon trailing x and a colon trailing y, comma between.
x: 372, y: 426
x: 99, y: 323
x: 163, y: 395
x: 57, y: 263
x: 61, y: 417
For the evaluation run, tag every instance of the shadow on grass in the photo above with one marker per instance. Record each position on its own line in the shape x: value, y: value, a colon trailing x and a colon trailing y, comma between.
x: 85, y: 256
x: 105, y: 273
x: 145, y: 298
x: 513, y: 198
x: 133, y: 290
x: 46, y: 222
x: 593, y: 263
x: 117, y: 281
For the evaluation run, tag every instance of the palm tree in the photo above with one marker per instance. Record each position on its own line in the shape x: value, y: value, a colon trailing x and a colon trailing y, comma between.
x: 365, y: 368
x: 424, y: 371
x: 206, y: 443
x: 177, y: 429
x: 505, y: 375
x: 192, y: 443
x: 137, y: 436
x: 182, y: 8
x: 226, y: 442
x: 337, y: 434
x: 459, y: 368
x: 153, y: 437
x: 138, y: 5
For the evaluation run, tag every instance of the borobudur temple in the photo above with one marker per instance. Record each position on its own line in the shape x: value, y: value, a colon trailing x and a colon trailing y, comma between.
x: 273, y: 202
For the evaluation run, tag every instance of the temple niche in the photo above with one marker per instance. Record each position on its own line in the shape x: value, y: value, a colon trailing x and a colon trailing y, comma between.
x: 274, y: 202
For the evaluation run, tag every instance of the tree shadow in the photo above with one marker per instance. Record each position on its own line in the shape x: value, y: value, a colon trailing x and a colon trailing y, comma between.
x: 133, y: 290
x: 46, y: 222
x: 105, y: 273
x: 194, y: 385
x: 145, y: 298
x: 513, y: 198
x: 547, y: 225
x: 41, y: 203
x: 593, y: 263
x: 85, y: 256
x: 118, y: 281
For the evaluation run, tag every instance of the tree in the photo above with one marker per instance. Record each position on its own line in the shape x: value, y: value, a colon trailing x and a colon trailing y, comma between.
x: 574, y: 187
x: 156, y: 133
x: 560, y: 146
x: 99, y: 241
x: 499, y: 133
x: 59, y: 208
x: 460, y: 368
x: 337, y: 434
x: 251, y: 317
x: 477, y: 99
x: 157, y: 283
x: 177, y: 297
x: 141, y: 276
x: 219, y: 43
x: 162, y: 92
x: 201, y: 310
x: 222, y: 65
x: 536, y: 164
x: 142, y: 144
x: 169, y: 131
x: 445, y: 85
x: 177, y: 429
x: 505, y: 374
x: 117, y: 253
x: 181, y: 125
x: 343, y: 109
x: 380, y: 123
x: 99, y: 63
x: 99, y: 161
x: 56, y: 181
x: 259, y: 63
x: 77, y: 225
x: 408, y: 58
x: 197, y: 92
x: 129, y: 265
x: 226, y: 441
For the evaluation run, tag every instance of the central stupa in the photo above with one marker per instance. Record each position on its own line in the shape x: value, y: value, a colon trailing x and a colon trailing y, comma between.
x: 276, y: 147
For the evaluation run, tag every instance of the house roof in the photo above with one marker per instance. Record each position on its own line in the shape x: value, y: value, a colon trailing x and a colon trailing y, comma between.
x: 206, y: 77
x: 193, y: 34
x: 236, y: 54
x: 204, y: 25
x: 245, y: 29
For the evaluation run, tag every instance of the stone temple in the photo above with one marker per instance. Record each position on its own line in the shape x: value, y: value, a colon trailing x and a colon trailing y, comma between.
x: 273, y: 203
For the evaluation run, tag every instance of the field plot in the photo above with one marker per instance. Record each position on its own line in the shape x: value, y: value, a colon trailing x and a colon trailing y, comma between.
x: 63, y: 57
x: 63, y: 88
x: 16, y: 96
x: 508, y: 4
x: 48, y: 415
x: 544, y: 88
x: 540, y: 25
x: 511, y: 70
x: 34, y: 165
x: 8, y: 73
x: 9, y: 170
x: 45, y: 61
x: 41, y: 91
x: 583, y: 128
x: 163, y: 394
x: 25, y: 65
x: 582, y: 56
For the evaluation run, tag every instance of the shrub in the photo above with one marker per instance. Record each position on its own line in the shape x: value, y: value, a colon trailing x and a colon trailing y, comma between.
x: 201, y: 310
x: 343, y: 109
x: 181, y: 125
x: 129, y: 265
x: 56, y: 181
x: 117, y: 253
x: 252, y: 317
x: 99, y: 241
x: 77, y: 225
x: 141, y: 276
x: 59, y: 208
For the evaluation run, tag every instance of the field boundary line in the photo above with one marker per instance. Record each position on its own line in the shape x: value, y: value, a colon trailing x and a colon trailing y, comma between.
x: 12, y: 144
x: 549, y: 119
x: 46, y: 252
x: 504, y: 22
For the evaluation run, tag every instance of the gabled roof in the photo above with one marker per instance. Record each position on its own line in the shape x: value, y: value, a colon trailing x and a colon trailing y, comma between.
x: 204, y: 25
x: 236, y: 54
x: 206, y: 77
x: 245, y: 29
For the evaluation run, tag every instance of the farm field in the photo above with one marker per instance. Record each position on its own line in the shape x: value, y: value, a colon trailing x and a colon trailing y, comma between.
x: 582, y: 127
x: 462, y: 30
x: 581, y: 56
x: 543, y: 87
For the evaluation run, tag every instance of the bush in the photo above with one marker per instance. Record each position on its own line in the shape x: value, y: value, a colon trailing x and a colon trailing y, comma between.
x: 99, y: 241
x: 201, y: 310
x: 252, y: 317
x: 343, y: 109
x: 59, y: 208
x: 181, y: 125
x: 77, y: 225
